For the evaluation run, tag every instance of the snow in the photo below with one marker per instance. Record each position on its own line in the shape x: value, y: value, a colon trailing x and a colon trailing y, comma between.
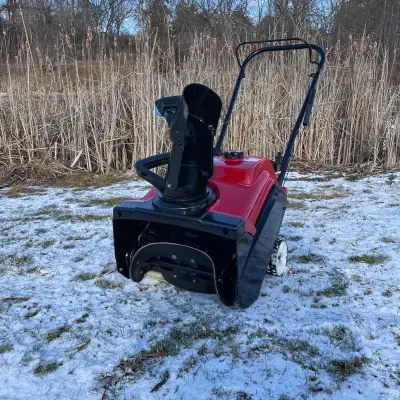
x: 286, y: 346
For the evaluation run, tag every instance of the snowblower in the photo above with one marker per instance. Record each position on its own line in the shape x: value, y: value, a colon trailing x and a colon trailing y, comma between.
x: 211, y: 224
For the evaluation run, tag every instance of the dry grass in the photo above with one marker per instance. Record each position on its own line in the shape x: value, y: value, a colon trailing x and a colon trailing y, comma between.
x: 97, y: 115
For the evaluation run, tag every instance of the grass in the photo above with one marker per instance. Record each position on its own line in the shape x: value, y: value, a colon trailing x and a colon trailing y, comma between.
x: 60, y: 214
x: 17, y: 191
x: 86, y: 276
x: 15, y: 261
x: 80, y: 218
x: 388, y: 239
x: 48, y: 210
x: 295, y: 224
x: 390, y: 180
x: 387, y: 293
x: 295, y: 238
x: 338, y: 286
x: 285, y: 289
x: 31, y: 314
x: 339, y: 193
x: 301, y: 346
x: 297, y: 205
x: 109, y: 202
x: 347, y: 367
x: 108, y: 284
x: 341, y: 336
x: 5, y: 348
x: 48, y: 243
x: 134, y: 367
x: 310, y: 258
x: 189, y: 364
x: 82, y: 319
x: 32, y: 270
x: 203, y: 350
x: 46, y: 368
x: 370, y: 259
x: 15, y: 299
x: 56, y: 333
x: 73, y: 238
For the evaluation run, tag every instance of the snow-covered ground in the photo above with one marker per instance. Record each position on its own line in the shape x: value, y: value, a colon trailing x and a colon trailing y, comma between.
x: 73, y: 328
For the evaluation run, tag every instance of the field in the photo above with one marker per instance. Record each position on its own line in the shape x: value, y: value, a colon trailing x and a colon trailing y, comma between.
x: 73, y: 328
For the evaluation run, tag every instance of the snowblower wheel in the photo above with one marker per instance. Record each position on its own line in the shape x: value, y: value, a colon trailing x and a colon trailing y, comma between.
x: 278, y: 262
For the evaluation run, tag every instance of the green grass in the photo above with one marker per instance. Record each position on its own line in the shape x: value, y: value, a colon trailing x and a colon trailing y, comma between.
x: 80, y: 218
x: 31, y: 314
x: 203, y: 350
x: 48, y: 243
x: 370, y: 259
x: 73, y: 238
x: 295, y: 238
x: 390, y: 180
x: 5, y: 348
x: 285, y: 289
x: 295, y: 224
x: 345, y: 368
x: 46, y: 368
x: 301, y: 346
x: 32, y: 270
x: 297, y: 205
x: 20, y: 191
x: 341, y: 336
x: 60, y: 214
x: 387, y: 293
x: 108, y: 284
x: 338, y: 286
x: 310, y: 258
x: 338, y: 193
x: 82, y: 319
x: 86, y: 276
x: 189, y: 364
x: 132, y: 368
x: 15, y: 261
x: 56, y: 333
x: 48, y: 210
x: 388, y: 239
x: 109, y: 202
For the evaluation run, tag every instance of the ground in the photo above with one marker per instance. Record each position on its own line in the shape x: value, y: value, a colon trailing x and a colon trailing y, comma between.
x: 73, y: 328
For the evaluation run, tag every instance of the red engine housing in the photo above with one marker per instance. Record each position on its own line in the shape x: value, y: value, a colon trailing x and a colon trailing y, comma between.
x: 242, y: 186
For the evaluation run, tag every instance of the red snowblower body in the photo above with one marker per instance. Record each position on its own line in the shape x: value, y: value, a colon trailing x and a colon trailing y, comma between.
x: 211, y: 225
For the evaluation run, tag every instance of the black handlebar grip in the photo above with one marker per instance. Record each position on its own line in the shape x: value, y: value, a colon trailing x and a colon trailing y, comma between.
x: 144, y: 166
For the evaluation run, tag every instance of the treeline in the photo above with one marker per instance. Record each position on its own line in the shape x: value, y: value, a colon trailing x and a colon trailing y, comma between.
x: 102, y: 25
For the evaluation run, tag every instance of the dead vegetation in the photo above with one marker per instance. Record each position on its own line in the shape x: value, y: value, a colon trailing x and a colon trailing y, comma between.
x: 54, y: 123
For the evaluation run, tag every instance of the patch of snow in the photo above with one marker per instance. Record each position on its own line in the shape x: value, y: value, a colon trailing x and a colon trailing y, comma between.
x: 286, y: 344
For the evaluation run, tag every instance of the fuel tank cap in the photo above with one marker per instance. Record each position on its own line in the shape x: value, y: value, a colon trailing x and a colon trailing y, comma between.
x: 233, y: 154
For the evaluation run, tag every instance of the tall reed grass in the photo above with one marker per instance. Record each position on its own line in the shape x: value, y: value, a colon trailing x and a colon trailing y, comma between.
x: 97, y: 113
